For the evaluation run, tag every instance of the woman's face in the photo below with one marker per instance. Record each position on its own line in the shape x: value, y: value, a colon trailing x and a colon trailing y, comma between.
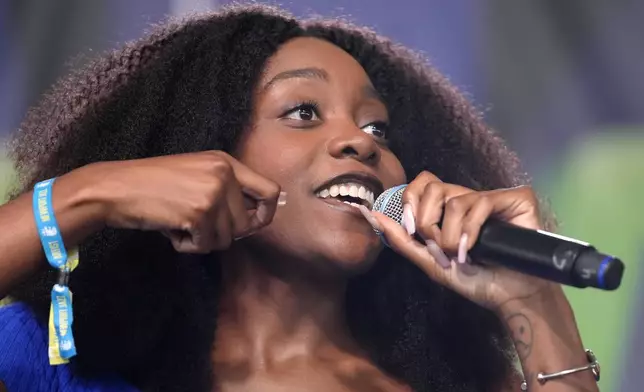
x: 319, y: 128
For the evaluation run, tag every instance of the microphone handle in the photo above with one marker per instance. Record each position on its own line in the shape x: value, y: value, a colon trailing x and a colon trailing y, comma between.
x: 547, y: 255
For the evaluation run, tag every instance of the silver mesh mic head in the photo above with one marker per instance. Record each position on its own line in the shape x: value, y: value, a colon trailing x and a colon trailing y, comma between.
x: 390, y: 204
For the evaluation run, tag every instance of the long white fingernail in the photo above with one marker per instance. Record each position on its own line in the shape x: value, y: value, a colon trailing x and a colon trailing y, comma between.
x: 408, y: 222
x: 281, y: 200
x: 370, y: 218
x: 462, y: 249
x: 437, y: 253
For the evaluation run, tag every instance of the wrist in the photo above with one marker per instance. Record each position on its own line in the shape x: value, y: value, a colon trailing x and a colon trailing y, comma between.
x: 83, y: 190
x: 544, y: 332
x: 549, y: 301
x: 540, y: 322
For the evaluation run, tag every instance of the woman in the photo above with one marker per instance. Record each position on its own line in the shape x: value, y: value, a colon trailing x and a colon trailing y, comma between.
x: 171, y: 155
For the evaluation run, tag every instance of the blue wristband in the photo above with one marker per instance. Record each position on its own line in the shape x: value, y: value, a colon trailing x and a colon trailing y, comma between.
x: 48, y: 231
x: 61, y: 317
x: 61, y: 301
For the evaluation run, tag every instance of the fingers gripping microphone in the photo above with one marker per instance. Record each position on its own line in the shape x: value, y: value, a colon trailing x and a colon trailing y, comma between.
x: 533, y: 252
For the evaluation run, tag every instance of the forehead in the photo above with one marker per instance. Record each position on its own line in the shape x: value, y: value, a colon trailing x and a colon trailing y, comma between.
x: 307, y: 52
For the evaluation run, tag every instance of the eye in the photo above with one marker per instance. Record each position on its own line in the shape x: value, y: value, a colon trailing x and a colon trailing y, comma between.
x: 303, y: 112
x: 377, y: 129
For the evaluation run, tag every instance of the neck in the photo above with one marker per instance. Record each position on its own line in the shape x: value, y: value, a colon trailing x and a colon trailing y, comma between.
x: 267, y: 316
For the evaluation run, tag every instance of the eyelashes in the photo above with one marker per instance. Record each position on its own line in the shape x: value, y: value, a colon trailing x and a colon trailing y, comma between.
x: 307, y: 114
x: 304, y: 111
x: 378, y: 129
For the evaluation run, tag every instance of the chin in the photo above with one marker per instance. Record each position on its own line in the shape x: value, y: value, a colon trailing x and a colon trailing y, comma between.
x: 337, y: 253
x: 351, y: 255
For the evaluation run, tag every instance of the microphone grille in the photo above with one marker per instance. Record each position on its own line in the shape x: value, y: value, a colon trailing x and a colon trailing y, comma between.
x: 390, y: 203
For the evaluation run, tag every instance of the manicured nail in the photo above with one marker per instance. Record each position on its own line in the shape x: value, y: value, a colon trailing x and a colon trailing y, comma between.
x: 408, y: 221
x: 437, y: 253
x: 462, y: 249
x: 370, y: 218
x: 281, y: 200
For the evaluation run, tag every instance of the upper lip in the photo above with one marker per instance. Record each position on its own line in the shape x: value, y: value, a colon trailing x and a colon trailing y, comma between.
x: 370, y: 181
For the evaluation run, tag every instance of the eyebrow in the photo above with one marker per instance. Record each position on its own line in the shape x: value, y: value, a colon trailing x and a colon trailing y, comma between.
x: 317, y: 73
x: 302, y: 73
x: 370, y: 92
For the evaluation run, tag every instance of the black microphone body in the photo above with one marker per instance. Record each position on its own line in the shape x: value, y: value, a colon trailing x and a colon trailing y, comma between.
x: 532, y: 252
x: 546, y: 255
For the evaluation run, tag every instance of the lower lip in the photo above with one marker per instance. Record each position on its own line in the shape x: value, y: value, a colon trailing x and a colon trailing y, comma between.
x: 342, y: 206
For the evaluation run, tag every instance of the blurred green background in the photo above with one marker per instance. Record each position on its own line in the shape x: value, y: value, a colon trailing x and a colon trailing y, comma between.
x: 597, y: 194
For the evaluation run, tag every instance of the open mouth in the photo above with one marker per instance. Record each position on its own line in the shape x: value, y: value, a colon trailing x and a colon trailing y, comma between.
x: 351, y: 193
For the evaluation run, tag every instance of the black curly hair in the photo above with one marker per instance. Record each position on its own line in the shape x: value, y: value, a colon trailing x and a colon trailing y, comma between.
x: 146, y: 312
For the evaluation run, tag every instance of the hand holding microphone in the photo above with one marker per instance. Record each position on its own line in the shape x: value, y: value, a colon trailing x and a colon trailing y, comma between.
x: 436, y: 225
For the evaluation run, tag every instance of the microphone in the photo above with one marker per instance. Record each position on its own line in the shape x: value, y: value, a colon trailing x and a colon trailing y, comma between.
x: 533, y: 252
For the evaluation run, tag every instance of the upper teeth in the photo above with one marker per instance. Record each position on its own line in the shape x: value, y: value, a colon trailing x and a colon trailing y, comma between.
x: 348, y: 189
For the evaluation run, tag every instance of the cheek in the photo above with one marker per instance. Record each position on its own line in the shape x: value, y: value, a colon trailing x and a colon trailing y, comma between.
x: 274, y: 155
x: 393, y: 172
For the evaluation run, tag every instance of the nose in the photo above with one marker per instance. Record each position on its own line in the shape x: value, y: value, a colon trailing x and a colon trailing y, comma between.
x: 355, y: 145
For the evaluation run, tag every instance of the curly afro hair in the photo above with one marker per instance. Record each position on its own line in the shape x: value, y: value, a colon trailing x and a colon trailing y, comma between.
x: 147, y: 315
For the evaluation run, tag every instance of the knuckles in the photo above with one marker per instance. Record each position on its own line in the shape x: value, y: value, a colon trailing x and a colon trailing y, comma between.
x: 484, y: 200
x: 434, y: 187
x: 528, y: 194
x: 455, y: 205
x: 220, y: 176
x: 220, y: 167
x: 426, y: 176
x: 273, y: 190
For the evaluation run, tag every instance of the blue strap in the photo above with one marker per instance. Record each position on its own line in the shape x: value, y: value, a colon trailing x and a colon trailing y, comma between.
x: 62, y: 346
x: 48, y: 230
x: 61, y: 301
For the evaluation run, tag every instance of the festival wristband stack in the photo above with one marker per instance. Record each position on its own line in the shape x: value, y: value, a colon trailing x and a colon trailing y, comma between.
x: 61, y: 340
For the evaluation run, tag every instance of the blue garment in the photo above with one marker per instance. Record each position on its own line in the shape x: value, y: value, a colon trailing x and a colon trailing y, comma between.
x: 24, y: 365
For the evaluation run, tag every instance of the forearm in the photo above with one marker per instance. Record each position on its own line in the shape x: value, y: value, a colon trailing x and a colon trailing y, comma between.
x: 547, y: 340
x: 78, y: 214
